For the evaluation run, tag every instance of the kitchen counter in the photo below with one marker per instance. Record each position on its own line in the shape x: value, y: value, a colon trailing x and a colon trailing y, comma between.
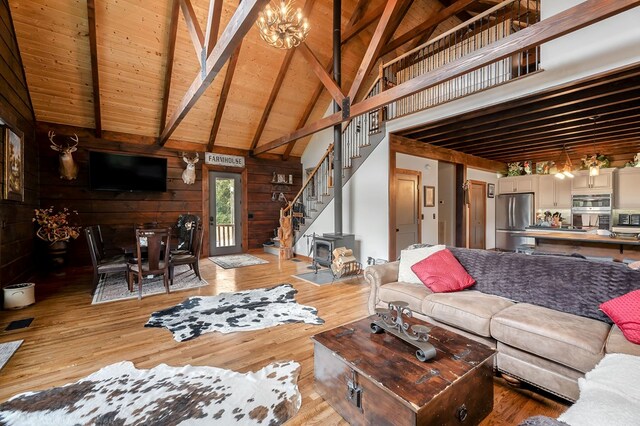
x: 578, y: 237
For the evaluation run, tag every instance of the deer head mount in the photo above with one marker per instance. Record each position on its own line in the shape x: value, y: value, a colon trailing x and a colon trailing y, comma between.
x: 189, y: 174
x: 68, y: 168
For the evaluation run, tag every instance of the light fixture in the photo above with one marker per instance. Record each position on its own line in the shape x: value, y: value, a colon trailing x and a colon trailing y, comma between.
x: 282, y: 26
x: 567, y: 170
x: 594, y: 168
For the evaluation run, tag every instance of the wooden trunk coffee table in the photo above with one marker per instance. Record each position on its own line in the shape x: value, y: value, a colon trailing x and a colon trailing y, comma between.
x: 376, y: 379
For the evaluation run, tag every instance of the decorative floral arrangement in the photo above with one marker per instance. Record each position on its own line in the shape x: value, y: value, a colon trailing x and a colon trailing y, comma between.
x: 595, y: 160
x: 55, y: 226
x: 514, y: 169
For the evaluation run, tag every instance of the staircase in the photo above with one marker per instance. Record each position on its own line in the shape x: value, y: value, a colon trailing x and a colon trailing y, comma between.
x: 363, y: 133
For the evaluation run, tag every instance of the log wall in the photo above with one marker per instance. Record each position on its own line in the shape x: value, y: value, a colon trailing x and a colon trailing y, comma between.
x: 16, y: 229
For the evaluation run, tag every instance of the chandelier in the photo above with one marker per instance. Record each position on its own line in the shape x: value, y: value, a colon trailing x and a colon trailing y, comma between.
x: 282, y: 26
x: 567, y: 170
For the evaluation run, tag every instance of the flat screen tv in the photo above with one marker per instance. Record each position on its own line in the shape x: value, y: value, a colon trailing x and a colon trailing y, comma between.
x: 127, y: 173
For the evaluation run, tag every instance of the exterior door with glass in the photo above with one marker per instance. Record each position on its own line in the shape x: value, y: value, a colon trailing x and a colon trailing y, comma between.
x: 225, y: 219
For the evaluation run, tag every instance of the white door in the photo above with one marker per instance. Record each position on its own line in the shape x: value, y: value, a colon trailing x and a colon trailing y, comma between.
x: 407, y: 210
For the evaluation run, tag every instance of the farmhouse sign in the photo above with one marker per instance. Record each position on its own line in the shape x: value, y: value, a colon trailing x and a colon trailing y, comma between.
x: 223, y: 160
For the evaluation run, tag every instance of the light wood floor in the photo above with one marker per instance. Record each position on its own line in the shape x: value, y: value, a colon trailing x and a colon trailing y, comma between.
x: 70, y: 338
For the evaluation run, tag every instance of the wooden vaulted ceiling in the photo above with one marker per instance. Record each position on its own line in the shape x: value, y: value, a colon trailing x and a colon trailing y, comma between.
x: 599, y: 114
x: 262, y: 93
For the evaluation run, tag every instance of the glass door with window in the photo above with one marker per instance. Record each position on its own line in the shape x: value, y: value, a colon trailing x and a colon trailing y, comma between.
x: 225, y: 223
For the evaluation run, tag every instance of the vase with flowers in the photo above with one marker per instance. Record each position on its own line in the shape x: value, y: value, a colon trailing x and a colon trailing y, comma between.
x: 56, y: 229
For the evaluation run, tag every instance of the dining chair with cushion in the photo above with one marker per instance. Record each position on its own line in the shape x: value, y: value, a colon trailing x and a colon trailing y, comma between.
x: 190, y: 258
x: 156, y: 259
x: 102, y: 265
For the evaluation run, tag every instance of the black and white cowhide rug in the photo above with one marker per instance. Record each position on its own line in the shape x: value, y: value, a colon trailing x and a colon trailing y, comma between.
x: 229, y: 312
x: 120, y: 394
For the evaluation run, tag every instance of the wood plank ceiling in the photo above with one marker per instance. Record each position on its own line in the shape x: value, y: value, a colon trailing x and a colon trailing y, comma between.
x: 600, y: 114
x: 131, y: 40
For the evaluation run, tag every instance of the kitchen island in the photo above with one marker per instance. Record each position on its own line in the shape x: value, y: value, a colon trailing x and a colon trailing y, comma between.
x: 586, y: 244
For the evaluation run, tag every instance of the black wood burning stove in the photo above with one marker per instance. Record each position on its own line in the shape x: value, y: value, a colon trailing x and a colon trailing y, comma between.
x: 323, y: 246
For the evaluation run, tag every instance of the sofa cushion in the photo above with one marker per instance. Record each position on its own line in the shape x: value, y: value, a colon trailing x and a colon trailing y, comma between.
x: 442, y: 273
x: 468, y: 310
x: 408, y: 258
x: 411, y: 293
x: 625, y: 312
x: 574, y: 341
x: 617, y: 343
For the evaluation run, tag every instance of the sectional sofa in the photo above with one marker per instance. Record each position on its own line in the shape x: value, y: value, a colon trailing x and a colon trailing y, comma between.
x: 540, y: 312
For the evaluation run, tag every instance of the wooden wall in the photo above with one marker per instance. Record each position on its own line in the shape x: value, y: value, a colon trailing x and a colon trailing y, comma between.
x: 118, y: 212
x: 16, y: 229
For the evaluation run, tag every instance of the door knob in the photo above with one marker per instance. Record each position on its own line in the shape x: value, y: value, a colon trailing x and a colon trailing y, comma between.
x: 397, y: 230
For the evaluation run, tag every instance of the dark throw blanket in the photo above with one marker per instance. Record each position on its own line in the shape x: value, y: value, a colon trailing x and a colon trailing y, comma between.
x: 566, y: 284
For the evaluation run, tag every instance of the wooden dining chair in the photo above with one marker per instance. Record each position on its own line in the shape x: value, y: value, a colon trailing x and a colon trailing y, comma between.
x: 102, y: 265
x: 156, y: 259
x: 190, y: 258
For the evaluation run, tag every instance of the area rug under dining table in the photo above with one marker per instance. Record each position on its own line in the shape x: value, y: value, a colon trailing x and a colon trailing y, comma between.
x: 120, y: 394
x: 114, y: 287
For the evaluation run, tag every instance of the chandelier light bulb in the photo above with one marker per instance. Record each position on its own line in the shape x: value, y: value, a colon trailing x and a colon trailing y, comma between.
x: 560, y: 175
x: 283, y: 26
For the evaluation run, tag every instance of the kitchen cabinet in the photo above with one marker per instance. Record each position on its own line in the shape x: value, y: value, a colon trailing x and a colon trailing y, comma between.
x: 553, y: 193
x: 627, y: 188
x: 512, y: 184
x: 582, y: 183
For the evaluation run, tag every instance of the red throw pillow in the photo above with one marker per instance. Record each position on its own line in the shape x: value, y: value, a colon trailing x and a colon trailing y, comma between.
x: 442, y: 273
x: 625, y: 312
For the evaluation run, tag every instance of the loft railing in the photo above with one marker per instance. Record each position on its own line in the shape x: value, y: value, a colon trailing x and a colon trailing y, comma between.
x: 484, y: 29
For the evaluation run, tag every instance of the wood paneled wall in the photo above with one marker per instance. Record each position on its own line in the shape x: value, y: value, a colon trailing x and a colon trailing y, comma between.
x: 118, y: 212
x: 16, y: 229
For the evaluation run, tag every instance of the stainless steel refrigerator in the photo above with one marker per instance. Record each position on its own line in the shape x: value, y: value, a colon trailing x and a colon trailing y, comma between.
x: 514, y: 212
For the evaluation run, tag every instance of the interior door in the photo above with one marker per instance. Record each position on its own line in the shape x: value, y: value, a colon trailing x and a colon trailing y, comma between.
x: 477, y: 214
x: 225, y: 220
x: 407, y: 209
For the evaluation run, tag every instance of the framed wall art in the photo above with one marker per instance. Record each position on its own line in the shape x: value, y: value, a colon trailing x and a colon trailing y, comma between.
x: 13, y: 164
x: 429, y: 196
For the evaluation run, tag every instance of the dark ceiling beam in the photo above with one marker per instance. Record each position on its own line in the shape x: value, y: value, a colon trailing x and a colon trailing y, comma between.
x: 562, y: 23
x: 324, y: 77
x: 171, y: 49
x: 393, y: 13
x: 609, y: 146
x: 277, y: 85
x: 426, y: 26
x: 240, y: 23
x: 93, y: 48
x: 213, y: 26
x: 195, y: 32
x: 224, y: 94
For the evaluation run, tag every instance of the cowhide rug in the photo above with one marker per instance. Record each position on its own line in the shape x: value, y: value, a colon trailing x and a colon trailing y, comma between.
x: 228, y: 312
x: 120, y: 394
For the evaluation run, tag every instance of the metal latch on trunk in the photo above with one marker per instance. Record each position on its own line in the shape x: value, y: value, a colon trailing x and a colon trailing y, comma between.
x: 354, y: 391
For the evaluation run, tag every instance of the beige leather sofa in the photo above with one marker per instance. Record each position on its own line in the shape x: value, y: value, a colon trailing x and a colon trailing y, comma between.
x: 545, y: 347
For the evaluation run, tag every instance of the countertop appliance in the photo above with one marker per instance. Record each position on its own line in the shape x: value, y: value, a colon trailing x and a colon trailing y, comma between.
x: 591, y: 211
x: 514, y: 213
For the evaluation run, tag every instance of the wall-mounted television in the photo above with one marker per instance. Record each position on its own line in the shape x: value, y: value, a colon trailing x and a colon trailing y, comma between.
x: 127, y: 173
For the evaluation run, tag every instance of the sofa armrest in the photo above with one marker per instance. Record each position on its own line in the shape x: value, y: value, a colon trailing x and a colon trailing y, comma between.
x: 377, y: 275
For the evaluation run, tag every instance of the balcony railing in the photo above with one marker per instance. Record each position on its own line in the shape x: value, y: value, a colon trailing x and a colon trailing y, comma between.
x: 225, y: 235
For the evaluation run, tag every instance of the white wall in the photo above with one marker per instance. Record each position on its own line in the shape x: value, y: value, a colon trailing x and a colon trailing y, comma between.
x: 429, y: 172
x: 481, y: 175
x: 610, y: 44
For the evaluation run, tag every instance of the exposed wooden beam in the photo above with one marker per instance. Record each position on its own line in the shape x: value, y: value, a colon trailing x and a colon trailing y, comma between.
x: 303, y: 119
x: 195, y: 32
x: 238, y: 26
x: 369, y: 18
x: 565, y: 22
x: 222, y: 101
x: 171, y: 49
x: 389, y: 21
x: 426, y: 26
x: 425, y: 150
x: 319, y: 71
x: 213, y: 25
x: 93, y: 48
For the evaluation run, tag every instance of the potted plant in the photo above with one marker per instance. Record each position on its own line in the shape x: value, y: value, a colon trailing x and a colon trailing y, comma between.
x: 56, y: 230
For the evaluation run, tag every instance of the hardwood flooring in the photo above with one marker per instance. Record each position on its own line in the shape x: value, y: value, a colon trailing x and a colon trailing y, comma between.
x: 70, y: 338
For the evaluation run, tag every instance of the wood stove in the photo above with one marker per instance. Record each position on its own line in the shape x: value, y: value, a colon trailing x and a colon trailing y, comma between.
x: 323, y: 246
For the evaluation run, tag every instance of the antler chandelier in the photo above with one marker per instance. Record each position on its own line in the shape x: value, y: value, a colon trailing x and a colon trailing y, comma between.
x: 283, y: 27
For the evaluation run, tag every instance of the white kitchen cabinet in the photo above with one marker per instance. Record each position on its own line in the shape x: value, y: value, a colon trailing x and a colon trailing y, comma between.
x: 553, y: 193
x: 511, y: 184
x: 627, y: 188
x: 582, y: 183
